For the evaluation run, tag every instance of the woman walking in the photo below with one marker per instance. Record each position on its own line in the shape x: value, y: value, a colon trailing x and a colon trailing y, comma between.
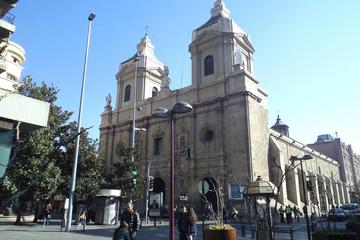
x: 191, y: 222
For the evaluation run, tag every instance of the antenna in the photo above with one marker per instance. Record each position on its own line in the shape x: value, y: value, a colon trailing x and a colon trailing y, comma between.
x: 146, y: 30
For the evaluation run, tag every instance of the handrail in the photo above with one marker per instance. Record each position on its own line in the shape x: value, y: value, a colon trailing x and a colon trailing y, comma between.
x: 9, y: 17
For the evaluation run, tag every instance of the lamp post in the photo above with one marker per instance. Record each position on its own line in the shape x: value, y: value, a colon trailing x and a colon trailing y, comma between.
x: 76, y: 156
x: 136, y: 61
x: 261, y: 189
x: 305, y: 157
x: 178, y: 108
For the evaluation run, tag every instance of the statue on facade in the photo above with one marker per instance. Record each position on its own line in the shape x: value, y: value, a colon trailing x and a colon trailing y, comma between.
x: 165, y: 81
x: 108, y: 102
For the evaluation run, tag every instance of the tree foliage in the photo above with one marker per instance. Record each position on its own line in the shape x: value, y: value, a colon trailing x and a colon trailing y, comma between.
x: 122, y: 177
x: 42, y: 165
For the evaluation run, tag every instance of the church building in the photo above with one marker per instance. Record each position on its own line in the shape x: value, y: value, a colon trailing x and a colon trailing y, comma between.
x: 225, y: 140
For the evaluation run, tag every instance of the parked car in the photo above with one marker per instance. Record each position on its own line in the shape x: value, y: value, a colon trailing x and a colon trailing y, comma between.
x: 349, y: 208
x: 336, y: 215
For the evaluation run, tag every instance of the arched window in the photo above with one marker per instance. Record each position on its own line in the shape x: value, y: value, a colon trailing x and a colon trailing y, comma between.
x: 209, y: 65
x: 154, y: 92
x: 127, y: 93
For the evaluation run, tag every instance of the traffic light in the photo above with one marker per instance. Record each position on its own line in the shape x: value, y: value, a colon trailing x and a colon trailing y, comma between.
x: 133, y: 173
x: 151, y: 183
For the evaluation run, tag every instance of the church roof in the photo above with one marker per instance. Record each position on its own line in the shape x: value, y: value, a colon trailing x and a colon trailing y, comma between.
x: 279, y: 123
x: 219, y: 21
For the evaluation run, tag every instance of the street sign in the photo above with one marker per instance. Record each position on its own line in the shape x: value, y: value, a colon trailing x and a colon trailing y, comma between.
x: 203, y: 184
x: 184, y: 197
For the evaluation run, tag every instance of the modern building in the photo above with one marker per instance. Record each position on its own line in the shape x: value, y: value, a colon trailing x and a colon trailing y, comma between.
x: 226, y: 140
x: 17, y: 112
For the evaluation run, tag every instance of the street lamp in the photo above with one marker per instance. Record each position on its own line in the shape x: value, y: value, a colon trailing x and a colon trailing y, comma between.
x: 136, y: 61
x: 261, y: 189
x: 305, y: 157
x: 161, y: 112
x: 77, y: 144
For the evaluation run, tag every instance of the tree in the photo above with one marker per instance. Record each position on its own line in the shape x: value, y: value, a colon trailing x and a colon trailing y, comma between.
x: 125, y: 175
x: 33, y: 167
x: 42, y: 162
x: 90, y: 167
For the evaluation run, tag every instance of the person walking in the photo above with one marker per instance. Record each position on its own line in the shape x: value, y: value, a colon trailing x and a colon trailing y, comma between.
x: 296, y: 212
x: 281, y: 213
x: 191, y: 223
x: 47, y: 214
x: 82, y: 219
x: 288, y: 212
x: 131, y: 217
x: 122, y: 232
x: 182, y: 223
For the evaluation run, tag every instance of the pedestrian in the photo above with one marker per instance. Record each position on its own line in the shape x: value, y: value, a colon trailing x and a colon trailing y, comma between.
x: 225, y: 215
x: 131, y: 217
x: 182, y: 223
x: 296, y: 212
x: 209, y: 213
x: 82, y: 219
x: 122, y: 232
x: 191, y: 223
x: 47, y: 214
x: 288, y: 212
x: 281, y: 213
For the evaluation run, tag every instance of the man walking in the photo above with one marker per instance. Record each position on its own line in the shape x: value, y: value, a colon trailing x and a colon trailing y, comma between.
x: 288, y: 212
x: 281, y: 213
x: 131, y: 217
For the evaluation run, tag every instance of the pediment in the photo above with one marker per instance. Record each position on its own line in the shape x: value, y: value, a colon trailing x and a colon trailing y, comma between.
x: 204, y: 36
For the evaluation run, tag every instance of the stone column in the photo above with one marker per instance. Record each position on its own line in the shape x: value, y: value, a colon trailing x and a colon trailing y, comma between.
x: 322, y: 189
x: 315, y: 191
x: 292, y: 186
x: 346, y: 192
x: 341, y: 193
x: 330, y: 192
x: 336, y: 192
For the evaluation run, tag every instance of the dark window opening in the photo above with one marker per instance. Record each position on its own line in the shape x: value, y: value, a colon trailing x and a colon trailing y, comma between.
x: 154, y: 92
x: 127, y: 93
x: 209, y: 65
x: 157, y: 145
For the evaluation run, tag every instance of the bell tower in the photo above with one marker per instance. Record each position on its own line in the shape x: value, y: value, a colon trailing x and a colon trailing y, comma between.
x: 150, y: 72
x: 218, y: 48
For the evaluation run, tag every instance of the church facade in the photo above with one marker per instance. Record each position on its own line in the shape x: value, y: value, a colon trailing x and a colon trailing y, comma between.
x: 226, y: 140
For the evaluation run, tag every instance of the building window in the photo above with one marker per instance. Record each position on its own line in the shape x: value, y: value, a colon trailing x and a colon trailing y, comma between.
x: 209, y: 65
x: 154, y: 92
x: 127, y: 93
x: 157, y: 145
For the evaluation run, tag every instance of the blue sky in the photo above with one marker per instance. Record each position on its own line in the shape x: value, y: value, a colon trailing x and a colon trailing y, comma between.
x: 306, y: 59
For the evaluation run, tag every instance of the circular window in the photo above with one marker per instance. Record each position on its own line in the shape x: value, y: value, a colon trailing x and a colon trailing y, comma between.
x: 207, y: 135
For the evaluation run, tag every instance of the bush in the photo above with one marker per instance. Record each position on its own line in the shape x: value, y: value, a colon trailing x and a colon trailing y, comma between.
x: 334, y: 235
x: 353, y: 226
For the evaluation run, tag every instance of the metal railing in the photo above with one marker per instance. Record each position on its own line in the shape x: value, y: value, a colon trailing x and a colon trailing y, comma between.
x: 9, y: 17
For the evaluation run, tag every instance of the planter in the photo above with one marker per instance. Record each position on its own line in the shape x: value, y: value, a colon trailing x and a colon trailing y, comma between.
x: 228, y: 234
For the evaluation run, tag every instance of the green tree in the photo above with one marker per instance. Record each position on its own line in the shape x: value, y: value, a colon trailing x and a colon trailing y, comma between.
x: 42, y: 163
x: 90, y: 167
x: 125, y: 174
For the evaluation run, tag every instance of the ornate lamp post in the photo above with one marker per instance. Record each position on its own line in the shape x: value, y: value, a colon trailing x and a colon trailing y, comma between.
x: 178, y: 108
x: 305, y: 157
x: 261, y: 189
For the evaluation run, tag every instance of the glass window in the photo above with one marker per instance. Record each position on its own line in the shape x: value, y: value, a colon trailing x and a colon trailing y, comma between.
x: 127, y: 93
x: 209, y: 65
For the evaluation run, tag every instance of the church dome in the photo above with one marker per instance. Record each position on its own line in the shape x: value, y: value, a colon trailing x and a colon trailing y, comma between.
x: 280, y: 127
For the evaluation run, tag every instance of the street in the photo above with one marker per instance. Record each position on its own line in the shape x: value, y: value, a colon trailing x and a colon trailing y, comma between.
x: 31, y: 231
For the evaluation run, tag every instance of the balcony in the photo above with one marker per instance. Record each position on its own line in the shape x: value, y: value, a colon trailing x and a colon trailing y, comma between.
x: 7, y: 25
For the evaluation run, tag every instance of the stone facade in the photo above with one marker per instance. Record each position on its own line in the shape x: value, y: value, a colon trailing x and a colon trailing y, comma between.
x: 225, y: 140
